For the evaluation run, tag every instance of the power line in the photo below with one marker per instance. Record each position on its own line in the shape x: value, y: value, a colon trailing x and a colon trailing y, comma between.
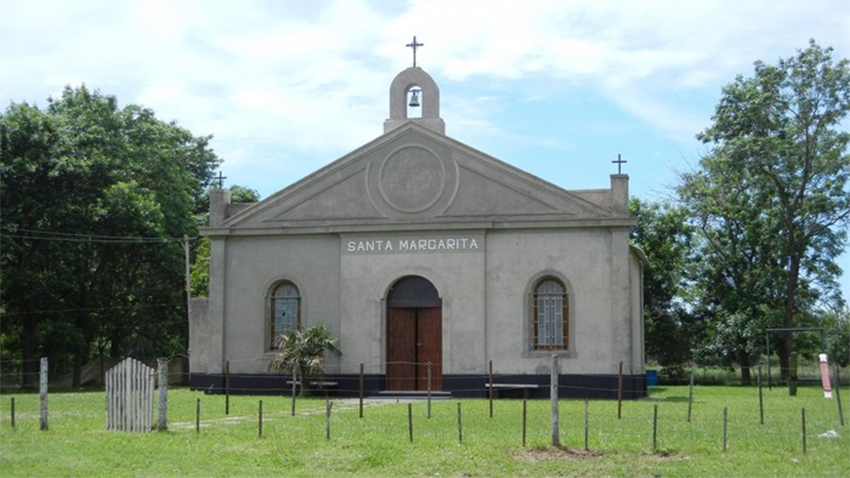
x: 90, y: 309
x: 33, y: 234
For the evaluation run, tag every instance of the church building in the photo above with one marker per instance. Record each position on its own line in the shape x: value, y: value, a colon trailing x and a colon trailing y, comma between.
x: 417, y: 249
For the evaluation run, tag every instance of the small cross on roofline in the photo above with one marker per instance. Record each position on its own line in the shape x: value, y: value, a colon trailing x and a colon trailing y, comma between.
x: 220, y: 180
x: 619, y: 162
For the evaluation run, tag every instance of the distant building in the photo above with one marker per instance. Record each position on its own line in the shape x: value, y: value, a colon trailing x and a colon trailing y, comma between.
x: 417, y: 248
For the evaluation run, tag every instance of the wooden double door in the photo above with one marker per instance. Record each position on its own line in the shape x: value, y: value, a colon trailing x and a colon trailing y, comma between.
x: 414, y: 338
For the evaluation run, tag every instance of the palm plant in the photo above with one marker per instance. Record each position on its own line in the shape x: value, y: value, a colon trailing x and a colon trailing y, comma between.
x: 301, y: 352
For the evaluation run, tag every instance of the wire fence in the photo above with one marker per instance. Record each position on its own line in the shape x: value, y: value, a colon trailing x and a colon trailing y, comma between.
x: 197, y: 412
x: 808, y: 371
x: 412, y: 376
x: 128, y: 396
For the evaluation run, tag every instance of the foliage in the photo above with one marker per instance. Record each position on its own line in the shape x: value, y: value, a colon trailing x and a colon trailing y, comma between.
x: 837, y: 324
x: 200, y: 269
x: 377, y: 445
x: 731, y: 337
x: 301, y: 352
x: 665, y: 237
x: 771, y: 198
x: 96, y: 202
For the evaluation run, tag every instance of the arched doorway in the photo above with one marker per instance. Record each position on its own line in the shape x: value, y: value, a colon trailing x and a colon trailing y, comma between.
x: 414, y: 335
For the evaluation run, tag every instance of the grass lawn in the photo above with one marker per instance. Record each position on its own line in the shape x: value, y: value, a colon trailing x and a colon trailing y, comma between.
x: 78, y: 444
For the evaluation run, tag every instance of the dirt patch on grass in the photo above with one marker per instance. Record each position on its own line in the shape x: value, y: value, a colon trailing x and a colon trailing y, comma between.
x: 533, y: 455
x: 665, y: 455
x: 538, y: 454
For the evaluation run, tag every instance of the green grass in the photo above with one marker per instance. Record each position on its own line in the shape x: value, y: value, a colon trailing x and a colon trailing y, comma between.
x: 77, y: 443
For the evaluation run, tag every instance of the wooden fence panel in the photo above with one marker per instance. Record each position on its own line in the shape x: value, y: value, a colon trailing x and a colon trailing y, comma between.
x: 129, y: 396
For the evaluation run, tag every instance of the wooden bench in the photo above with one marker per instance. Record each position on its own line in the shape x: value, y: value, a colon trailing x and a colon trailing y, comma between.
x: 525, y: 387
x: 318, y: 385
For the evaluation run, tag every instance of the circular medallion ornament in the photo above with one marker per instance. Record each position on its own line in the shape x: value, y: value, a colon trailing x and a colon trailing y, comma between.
x: 412, y: 179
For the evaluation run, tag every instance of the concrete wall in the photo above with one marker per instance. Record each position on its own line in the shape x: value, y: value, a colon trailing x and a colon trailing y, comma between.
x: 254, y: 265
x: 485, y: 295
x: 458, y: 276
x: 583, y: 260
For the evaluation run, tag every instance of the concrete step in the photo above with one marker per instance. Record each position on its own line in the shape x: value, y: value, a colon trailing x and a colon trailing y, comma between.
x: 410, y: 395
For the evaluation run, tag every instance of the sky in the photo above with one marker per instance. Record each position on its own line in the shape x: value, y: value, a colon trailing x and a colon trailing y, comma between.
x: 558, y: 88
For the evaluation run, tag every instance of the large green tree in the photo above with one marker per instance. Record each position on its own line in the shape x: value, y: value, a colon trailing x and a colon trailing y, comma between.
x: 771, y: 197
x: 96, y: 199
x: 665, y: 237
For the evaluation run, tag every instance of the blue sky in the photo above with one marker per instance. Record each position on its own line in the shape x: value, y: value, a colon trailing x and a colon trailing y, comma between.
x: 558, y: 88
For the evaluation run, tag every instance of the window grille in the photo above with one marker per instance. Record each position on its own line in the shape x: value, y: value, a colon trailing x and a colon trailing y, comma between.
x: 285, y: 308
x: 550, y: 315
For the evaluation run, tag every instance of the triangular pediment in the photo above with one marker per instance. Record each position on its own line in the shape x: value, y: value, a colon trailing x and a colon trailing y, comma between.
x: 339, y: 201
x: 414, y: 176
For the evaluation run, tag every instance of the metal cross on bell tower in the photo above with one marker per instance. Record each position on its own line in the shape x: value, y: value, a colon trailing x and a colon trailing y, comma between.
x: 414, y: 45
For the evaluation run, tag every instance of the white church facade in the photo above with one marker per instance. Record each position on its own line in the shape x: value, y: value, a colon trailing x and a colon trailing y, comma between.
x: 414, y: 249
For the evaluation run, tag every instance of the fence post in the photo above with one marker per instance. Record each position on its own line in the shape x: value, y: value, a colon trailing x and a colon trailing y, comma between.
x: 429, y: 390
x: 838, y: 393
x: 42, y: 395
x: 294, y: 384
x: 13, y: 413
x: 410, y: 421
x: 803, y: 422
x: 691, y: 390
x: 524, y: 419
x: 620, y: 392
x: 459, y: 425
x: 198, y: 416
x: 490, y: 392
x: 328, y: 406
x: 769, y: 376
x: 654, y: 427
x: 553, y: 394
x: 725, y: 426
x: 792, y: 376
x: 586, y: 424
x: 260, y: 421
x: 362, y: 389
x: 162, y: 422
x: 761, y: 400
x: 227, y: 387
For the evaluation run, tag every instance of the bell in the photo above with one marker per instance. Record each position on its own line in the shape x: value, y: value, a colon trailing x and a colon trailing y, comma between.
x: 414, y: 98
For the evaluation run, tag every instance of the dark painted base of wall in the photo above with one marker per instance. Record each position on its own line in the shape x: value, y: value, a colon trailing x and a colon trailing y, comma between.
x: 460, y: 386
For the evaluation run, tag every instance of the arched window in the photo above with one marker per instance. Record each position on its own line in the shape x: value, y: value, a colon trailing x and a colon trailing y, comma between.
x: 550, y: 315
x: 284, y: 309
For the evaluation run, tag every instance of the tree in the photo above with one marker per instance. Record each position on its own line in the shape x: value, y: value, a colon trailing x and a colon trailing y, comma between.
x: 665, y: 237
x: 96, y: 201
x: 837, y: 324
x: 735, y: 285
x: 771, y: 198
x: 301, y: 352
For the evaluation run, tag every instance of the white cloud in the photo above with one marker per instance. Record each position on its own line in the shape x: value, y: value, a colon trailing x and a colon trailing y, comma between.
x: 314, y: 75
x: 287, y: 85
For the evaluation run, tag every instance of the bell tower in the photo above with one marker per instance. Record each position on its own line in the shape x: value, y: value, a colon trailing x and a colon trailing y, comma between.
x: 415, y: 89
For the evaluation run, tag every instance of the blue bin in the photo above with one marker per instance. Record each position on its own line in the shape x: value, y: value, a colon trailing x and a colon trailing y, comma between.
x: 652, y: 378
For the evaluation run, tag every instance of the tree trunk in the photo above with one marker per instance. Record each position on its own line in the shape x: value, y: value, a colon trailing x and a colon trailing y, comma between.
x: 78, y: 368
x: 790, y: 311
x: 746, y: 378
x: 115, y: 340
x: 29, y: 351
